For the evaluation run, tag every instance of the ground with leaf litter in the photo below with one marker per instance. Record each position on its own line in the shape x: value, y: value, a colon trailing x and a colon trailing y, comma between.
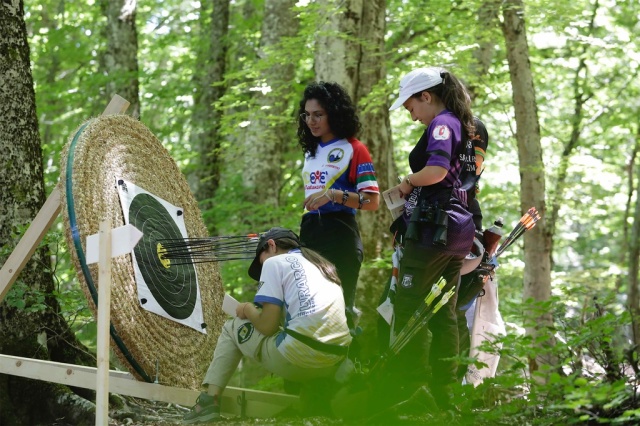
x: 141, y: 412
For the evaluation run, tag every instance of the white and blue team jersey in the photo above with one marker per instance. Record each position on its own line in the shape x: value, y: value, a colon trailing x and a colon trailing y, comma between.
x: 341, y: 164
x: 311, y: 305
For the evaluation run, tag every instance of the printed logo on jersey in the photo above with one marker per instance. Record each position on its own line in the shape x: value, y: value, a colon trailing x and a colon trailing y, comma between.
x: 244, y: 332
x: 335, y: 155
x: 407, y: 281
x: 468, y: 158
x: 441, y: 133
x: 307, y: 303
x: 412, y: 201
x: 315, y: 178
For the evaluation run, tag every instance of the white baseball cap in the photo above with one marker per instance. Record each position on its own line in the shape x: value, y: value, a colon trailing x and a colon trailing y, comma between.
x: 416, y: 81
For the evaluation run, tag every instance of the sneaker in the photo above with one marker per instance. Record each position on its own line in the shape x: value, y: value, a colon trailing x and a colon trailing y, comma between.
x: 205, y: 410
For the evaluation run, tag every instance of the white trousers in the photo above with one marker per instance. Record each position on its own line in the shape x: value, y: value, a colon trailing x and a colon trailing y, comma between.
x: 240, y: 338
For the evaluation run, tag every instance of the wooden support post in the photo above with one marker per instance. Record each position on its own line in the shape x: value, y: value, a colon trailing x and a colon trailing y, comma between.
x: 104, y: 320
x: 117, y: 105
x: 258, y: 403
x: 110, y: 243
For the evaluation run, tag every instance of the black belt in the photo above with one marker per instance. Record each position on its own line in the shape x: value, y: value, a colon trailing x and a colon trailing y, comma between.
x: 317, y: 345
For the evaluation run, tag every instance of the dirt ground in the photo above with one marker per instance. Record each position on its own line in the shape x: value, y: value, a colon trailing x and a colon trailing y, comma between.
x: 140, y: 412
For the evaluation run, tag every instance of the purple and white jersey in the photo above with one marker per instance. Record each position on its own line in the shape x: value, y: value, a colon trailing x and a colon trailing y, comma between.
x: 439, y: 147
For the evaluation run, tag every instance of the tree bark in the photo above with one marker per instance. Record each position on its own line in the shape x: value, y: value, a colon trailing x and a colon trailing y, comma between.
x: 489, y: 14
x: 352, y: 54
x: 271, y: 127
x: 634, y: 258
x: 30, y: 320
x: 209, y: 88
x: 121, y: 58
x: 537, y: 242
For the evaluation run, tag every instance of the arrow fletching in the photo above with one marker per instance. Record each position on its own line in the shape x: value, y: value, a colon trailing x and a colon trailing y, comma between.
x: 526, y: 222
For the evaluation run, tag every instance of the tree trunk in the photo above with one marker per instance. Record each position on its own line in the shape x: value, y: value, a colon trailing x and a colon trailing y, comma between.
x: 488, y: 13
x: 121, y: 58
x: 53, y: 68
x: 634, y: 259
x: 352, y: 54
x: 579, y: 98
x: 271, y: 128
x: 209, y: 75
x: 537, y: 242
x: 30, y: 323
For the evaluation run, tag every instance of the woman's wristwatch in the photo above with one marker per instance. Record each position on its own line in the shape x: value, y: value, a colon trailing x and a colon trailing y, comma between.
x: 345, y: 197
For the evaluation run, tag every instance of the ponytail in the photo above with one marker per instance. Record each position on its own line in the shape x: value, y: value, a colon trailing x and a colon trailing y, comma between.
x: 327, y: 268
x: 456, y: 99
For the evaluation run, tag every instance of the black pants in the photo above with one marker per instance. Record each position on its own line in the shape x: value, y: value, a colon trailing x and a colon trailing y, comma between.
x: 474, y: 209
x: 419, y: 361
x: 464, y: 338
x: 336, y: 237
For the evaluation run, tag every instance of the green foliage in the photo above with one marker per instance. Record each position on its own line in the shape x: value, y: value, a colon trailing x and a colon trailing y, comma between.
x: 25, y: 298
x: 64, y: 52
x: 29, y: 298
x: 270, y: 383
x: 596, y: 380
x: 71, y: 298
x: 240, y: 217
x: 22, y: 296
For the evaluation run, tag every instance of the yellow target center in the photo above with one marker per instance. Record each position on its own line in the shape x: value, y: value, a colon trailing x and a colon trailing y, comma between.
x: 161, y: 252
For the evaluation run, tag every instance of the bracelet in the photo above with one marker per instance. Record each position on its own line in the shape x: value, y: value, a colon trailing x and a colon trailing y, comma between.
x: 409, y: 181
x: 333, y: 196
x: 243, y: 310
x: 360, y: 200
x: 345, y: 197
x: 326, y: 194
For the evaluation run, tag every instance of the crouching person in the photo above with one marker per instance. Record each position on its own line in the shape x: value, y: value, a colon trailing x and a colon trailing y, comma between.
x: 299, y: 295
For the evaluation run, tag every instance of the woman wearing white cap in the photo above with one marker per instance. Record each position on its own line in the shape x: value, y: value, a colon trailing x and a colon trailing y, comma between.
x: 296, y: 326
x: 439, y: 229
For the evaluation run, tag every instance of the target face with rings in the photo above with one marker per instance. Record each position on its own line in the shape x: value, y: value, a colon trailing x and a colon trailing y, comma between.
x: 165, y: 288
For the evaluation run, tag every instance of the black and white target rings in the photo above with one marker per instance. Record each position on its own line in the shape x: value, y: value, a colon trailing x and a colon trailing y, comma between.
x: 174, y: 287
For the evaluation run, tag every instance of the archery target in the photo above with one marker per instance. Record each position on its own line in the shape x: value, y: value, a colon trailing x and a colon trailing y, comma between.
x: 150, y: 345
x: 167, y: 288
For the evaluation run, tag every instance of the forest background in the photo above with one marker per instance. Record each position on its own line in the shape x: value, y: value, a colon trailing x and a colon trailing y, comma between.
x: 219, y: 84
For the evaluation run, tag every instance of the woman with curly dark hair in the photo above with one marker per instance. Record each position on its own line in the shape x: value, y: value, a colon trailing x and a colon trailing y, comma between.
x: 339, y: 178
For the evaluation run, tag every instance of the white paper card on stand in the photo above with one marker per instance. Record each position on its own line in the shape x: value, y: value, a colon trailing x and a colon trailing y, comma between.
x: 229, y: 305
x: 124, y: 239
